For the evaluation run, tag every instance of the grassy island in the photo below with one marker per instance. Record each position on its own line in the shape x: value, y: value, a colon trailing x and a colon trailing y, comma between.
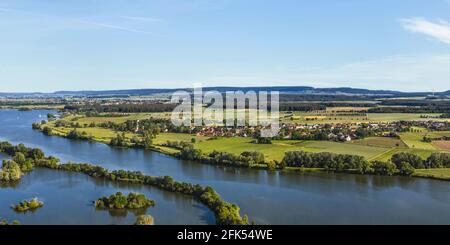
x: 5, y: 222
x: 28, y: 205
x: 226, y: 213
x: 144, y: 220
x: 121, y: 201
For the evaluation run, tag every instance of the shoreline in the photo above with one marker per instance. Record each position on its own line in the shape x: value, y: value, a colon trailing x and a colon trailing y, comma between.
x: 160, y: 150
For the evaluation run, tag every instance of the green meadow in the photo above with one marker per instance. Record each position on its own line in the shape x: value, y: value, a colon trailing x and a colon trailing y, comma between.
x: 346, y: 117
x: 415, y: 140
x: 277, y: 149
x: 372, y: 148
x: 436, y: 173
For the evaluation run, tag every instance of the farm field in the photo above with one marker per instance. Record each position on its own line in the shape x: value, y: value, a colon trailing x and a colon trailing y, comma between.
x: 343, y: 117
x: 372, y: 148
x: 380, y: 142
x: 296, y: 117
x: 122, y: 119
x: 99, y: 134
x: 442, y: 145
x: 277, y: 149
x: 415, y: 140
x: 162, y: 138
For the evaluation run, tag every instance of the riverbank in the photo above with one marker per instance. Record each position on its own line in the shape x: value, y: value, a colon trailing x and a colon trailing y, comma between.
x: 268, y: 197
x: 101, y: 136
x: 225, y: 212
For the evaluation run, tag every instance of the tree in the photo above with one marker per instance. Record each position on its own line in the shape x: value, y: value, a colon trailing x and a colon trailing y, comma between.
x: 412, y: 159
x: 271, y: 165
x: 383, y: 168
x: 363, y: 167
x: 438, y: 160
x: 19, y: 158
x: 119, y: 140
x: 120, y: 201
x: 406, y: 169
x: 24, y: 163
x: 47, y: 131
x: 148, y: 139
x: 10, y: 171
x: 51, y: 117
x: 28, y: 205
x: 144, y: 220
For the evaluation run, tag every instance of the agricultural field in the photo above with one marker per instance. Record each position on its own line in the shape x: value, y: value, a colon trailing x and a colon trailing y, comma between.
x: 415, y: 140
x: 277, y: 149
x: 162, y: 138
x: 122, y: 118
x: 99, y: 134
x: 380, y: 142
x: 331, y: 116
x: 372, y: 148
x: 443, y: 145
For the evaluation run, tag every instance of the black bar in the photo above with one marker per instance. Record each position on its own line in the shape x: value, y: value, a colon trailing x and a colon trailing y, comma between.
x: 235, y: 234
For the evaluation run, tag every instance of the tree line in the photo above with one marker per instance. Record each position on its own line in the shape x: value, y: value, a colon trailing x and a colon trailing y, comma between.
x: 226, y: 213
x: 401, y: 163
x: 123, y: 108
x: 245, y: 159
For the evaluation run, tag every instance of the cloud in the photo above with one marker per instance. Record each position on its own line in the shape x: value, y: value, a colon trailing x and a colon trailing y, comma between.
x: 142, y: 19
x: 114, y: 27
x: 439, y: 30
x: 80, y: 23
x: 402, y: 72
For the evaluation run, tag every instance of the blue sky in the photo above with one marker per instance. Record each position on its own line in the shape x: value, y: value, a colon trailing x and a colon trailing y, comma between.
x: 50, y: 45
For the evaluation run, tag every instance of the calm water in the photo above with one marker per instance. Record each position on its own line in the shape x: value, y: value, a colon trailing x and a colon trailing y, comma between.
x: 268, y: 198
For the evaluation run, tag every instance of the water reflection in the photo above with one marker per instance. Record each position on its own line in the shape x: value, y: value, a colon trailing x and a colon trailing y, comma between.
x: 267, y: 197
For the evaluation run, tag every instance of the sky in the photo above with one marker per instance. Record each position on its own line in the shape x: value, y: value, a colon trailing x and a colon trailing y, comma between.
x: 53, y: 45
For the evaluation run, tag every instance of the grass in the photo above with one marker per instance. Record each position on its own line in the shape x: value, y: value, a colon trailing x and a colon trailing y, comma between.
x: 438, y: 134
x: 99, y: 134
x: 436, y: 173
x: 443, y: 145
x: 380, y: 142
x: 123, y: 118
x: 414, y: 141
x: 164, y: 137
x: 373, y: 148
x: 277, y: 149
x: 339, y: 117
x: 386, y: 156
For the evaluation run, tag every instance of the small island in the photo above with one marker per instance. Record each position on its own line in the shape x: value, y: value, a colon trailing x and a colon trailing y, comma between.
x: 121, y: 201
x: 144, y: 220
x: 5, y: 222
x: 28, y: 205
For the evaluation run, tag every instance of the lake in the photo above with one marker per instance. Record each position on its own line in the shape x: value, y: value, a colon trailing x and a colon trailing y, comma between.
x: 266, y: 197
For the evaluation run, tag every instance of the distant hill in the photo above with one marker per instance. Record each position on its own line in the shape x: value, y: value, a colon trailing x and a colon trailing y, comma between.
x: 281, y: 89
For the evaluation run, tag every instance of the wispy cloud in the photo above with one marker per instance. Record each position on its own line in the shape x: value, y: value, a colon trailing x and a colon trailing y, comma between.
x: 113, y: 27
x: 439, y: 30
x: 142, y: 19
x: 402, y: 72
x: 86, y: 23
